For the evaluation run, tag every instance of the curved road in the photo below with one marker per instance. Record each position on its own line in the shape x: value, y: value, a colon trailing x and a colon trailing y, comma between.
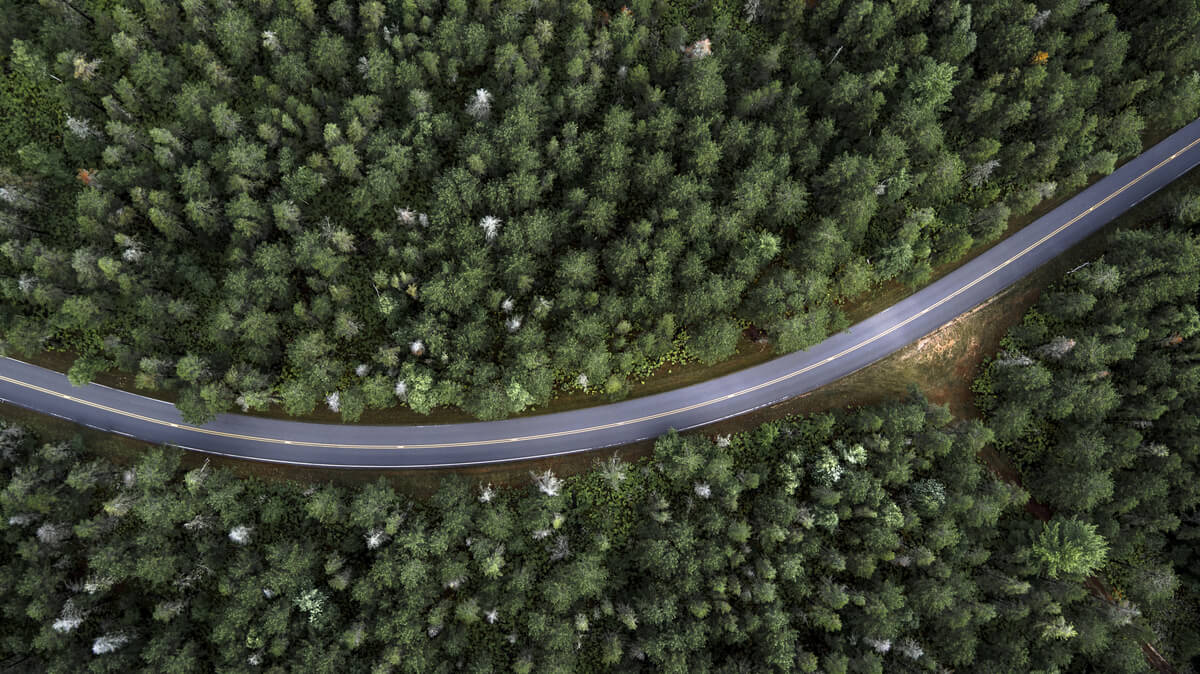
x: 441, y: 446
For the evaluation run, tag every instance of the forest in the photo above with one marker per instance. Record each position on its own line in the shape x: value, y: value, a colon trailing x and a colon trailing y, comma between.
x: 1096, y: 397
x: 870, y: 539
x: 480, y: 203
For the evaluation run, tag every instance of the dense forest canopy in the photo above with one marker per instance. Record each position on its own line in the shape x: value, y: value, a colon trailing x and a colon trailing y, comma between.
x: 868, y: 542
x: 1096, y: 397
x: 471, y: 202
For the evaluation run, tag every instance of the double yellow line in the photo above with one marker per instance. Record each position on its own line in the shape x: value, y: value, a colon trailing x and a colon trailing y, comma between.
x: 637, y: 420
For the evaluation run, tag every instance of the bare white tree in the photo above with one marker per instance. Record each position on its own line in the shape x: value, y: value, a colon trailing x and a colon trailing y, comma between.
x: 53, y: 534
x: 547, y: 483
x: 85, y: 69
x: 480, y: 105
x: 240, y: 534
x: 980, y: 173
x: 1156, y: 449
x: 197, y: 523
x: 910, y: 648
x: 627, y: 617
x: 21, y: 519
x: 491, y: 226
x: 196, y: 477
x: 1007, y: 359
x: 109, y: 643
x: 132, y: 249
x: 375, y: 538
x: 82, y: 128
x: 486, y: 493
x: 751, y: 9
x: 561, y: 549
x: 880, y: 645
x: 14, y: 196
x: 1123, y: 612
x: 69, y: 618
x: 612, y: 470
x: 96, y: 584
x: 356, y: 635
x: 1057, y: 347
x: 1039, y: 19
x: 1045, y: 190
x: 405, y: 216
x: 165, y: 610
x: 698, y: 49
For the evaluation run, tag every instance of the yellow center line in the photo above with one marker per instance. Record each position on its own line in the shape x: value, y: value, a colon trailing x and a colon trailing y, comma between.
x: 648, y: 417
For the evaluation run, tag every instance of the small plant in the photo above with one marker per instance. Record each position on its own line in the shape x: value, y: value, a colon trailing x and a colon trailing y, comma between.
x: 547, y: 483
x: 486, y: 493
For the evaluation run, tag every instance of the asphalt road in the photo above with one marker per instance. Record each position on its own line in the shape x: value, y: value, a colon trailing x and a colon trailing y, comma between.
x: 441, y: 446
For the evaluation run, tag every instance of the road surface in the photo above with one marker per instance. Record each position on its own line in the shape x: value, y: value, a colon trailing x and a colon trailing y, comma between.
x: 469, y: 444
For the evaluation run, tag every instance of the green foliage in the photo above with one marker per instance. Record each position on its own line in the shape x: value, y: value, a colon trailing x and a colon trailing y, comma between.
x: 871, y: 537
x: 358, y: 177
x: 30, y: 112
x: 1095, y: 396
x: 1070, y: 547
